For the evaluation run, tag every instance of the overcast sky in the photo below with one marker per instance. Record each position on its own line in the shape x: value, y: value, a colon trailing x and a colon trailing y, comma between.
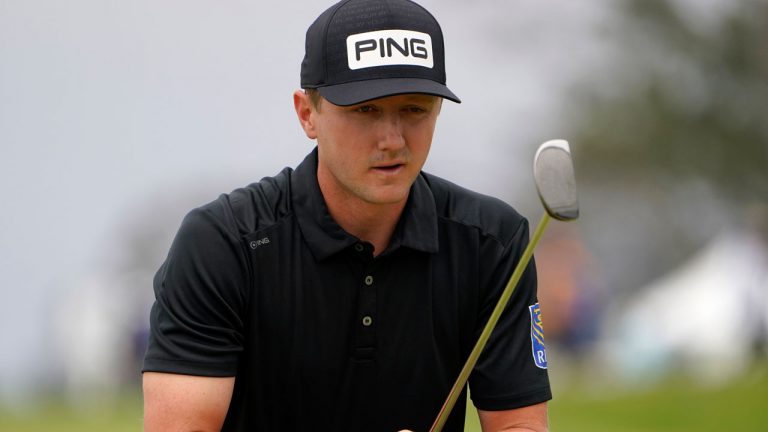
x: 107, y: 107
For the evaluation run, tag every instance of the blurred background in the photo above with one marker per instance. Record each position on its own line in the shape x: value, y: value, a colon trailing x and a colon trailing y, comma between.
x: 116, y: 118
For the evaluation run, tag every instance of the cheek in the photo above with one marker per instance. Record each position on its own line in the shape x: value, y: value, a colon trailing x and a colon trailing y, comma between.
x: 421, y: 140
x: 350, y: 143
x: 340, y: 132
x: 340, y: 152
x: 421, y: 154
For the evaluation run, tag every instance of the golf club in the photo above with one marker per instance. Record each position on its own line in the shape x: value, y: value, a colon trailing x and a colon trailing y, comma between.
x: 556, y: 185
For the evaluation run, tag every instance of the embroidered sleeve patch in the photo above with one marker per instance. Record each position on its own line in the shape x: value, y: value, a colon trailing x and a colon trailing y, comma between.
x: 537, y: 337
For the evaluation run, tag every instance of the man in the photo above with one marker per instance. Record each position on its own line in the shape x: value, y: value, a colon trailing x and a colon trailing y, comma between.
x: 346, y: 294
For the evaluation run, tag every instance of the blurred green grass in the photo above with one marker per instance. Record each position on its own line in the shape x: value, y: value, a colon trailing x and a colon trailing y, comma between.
x: 122, y: 414
x: 674, y: 405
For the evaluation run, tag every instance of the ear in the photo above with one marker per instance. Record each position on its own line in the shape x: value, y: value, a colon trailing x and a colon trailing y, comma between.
x: 305, y: 112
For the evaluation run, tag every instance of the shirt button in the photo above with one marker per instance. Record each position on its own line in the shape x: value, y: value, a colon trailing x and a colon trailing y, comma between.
x: 367, y: 321
x: 359, y: 247
x: 369, y: 280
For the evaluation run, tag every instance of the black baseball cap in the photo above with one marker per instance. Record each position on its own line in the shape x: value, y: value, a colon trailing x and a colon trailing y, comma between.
x: 359, y: 50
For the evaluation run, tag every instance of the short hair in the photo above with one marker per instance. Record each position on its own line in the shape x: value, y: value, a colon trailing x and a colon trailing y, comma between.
x: 314, y: 98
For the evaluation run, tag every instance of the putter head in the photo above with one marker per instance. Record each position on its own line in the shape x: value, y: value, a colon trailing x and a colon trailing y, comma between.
x: 555, y: 180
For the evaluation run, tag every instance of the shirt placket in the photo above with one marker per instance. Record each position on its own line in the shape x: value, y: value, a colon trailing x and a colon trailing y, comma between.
x: 366, y: 319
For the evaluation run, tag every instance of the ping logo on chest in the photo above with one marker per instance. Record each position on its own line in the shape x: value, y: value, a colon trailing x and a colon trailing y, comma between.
x: 388, y: 48
x: 260, y: 242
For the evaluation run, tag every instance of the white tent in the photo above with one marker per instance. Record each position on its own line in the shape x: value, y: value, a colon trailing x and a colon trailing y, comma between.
x: 704, y: 318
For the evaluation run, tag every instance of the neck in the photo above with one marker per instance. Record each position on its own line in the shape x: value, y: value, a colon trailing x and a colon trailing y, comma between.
x: 374, y: 223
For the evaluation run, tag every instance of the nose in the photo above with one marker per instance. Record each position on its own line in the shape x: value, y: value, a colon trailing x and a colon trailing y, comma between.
x: 390, y: 132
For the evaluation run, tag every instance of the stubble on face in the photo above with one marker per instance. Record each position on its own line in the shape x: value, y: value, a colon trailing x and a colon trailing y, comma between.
x: 372, y: 153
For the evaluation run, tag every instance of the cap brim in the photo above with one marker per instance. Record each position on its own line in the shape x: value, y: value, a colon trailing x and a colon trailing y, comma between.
x: 356, y: 92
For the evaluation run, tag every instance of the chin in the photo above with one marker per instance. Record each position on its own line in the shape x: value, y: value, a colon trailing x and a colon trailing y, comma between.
x: 389, y: 197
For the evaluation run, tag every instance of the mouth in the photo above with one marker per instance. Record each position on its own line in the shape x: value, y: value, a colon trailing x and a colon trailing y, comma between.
x: 389, y: 169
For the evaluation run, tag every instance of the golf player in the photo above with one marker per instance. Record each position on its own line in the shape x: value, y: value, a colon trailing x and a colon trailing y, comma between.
x: 347, y: 293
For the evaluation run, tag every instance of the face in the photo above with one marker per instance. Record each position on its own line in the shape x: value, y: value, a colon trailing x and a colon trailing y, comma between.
x: 372, y: 152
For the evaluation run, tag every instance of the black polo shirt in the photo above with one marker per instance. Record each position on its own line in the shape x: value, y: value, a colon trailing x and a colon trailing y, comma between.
x: 262, y: 284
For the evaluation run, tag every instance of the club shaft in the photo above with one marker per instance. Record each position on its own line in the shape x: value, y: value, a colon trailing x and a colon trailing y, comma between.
x: 458, y: 386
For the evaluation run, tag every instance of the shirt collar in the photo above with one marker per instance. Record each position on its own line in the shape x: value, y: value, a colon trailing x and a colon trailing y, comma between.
x: 417, y: 228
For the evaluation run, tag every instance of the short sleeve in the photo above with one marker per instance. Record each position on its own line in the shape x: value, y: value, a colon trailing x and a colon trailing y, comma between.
x: 507, y: 374
x: 196, y: 322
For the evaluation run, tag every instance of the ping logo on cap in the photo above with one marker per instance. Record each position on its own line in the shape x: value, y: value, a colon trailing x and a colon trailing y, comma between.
x: 389, y: 47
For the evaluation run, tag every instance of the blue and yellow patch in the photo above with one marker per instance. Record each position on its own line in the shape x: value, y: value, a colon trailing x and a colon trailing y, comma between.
x: 537, y: 337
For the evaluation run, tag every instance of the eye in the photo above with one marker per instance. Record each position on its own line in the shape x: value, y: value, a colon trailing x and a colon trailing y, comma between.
x: 415, y: 109
x: 366, y: 109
